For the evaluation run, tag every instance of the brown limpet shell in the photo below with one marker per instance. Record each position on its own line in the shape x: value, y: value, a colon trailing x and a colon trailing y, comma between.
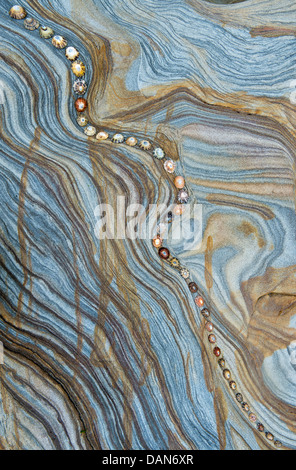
x: 217, y: 351
x: 164, y: 253
x: 212, y: 338
x: 31, y: 24
x: 193, y: 287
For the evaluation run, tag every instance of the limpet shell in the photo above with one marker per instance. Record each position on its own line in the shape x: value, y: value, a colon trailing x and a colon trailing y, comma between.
x: 102, y: 135
x: 245, y: 406
x: 78, y: 68
x: 131, y: 141
x: 232, y: 385
x: 80, y: 105
x: 90, y: 131
x: 183, y: 196
x: 17, y: 12
x: 212, y: 338
x: 145, y: 145
x: 239, y: 397
x: 158, y: 153
x: 82, y: 121
x: 175, y: 263
x: 221, y: 363
x: 185, y: 273
x: 260, y: 427
x: 157, y: 241
x: 71, y: 53
x: 209, y: 326
x: 169, y: 166
x: 118, y: 139
x: 46, y: 32
x: 205, y: 313
x: 252, y: 417
x: 227, y: 374
x: 31, y: 24
x: 59, y: 42
x: 80, y: 87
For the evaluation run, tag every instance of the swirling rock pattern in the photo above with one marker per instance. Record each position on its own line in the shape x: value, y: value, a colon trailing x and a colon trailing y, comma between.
x: 103, y: 346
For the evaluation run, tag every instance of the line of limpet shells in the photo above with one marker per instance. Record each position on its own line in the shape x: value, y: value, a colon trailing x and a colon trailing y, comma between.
x: 80, y: 88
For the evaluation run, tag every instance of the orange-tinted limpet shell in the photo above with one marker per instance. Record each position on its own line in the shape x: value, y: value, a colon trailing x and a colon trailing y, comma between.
x: 80, y: 105
x: 71, y: 53
x: 157, y: 242
x: 78, y: 68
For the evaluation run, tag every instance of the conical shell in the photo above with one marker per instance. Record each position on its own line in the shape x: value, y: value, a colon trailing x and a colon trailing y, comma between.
x: 72, y: 53
x: 102, y: 135
x: 78, y: 68
x: 17, y: 12
x: 131, y: 141
x: 59, y: 42
x: 80, y: 87
x: 118, y: 139
x: 145, y: 145
x: 82, y: 121
x: 31, y: 24
x: 46, y: 32
x: 90, y: 131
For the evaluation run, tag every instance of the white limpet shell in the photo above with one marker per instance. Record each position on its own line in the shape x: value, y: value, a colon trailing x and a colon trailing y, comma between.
x: 158, y: 153
x: 185, y: 273
x: 71, y: 53
x: 102, y: 135
x: 169, y: 166
x: 118, y: 139
x: 90, y: 131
